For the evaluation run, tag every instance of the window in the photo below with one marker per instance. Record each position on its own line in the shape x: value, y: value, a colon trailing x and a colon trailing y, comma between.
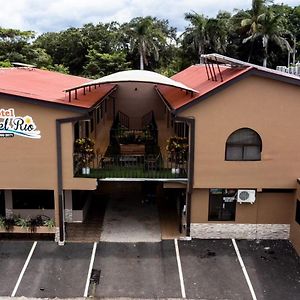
x: 243, y: 144
x: 222, y: 203
x: 298, y: 212
x: 33, y: 199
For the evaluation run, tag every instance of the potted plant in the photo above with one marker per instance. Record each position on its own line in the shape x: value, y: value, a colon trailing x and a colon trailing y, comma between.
x: 177, y: 148
x: 84, y: 147
x: 16, y: 224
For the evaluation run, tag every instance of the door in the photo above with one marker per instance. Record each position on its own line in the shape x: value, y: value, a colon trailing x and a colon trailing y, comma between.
x: 222, y: 204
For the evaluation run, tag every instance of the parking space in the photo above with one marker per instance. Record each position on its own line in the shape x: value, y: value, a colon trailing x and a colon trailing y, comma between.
x: 211, y: 270
x: 142, y: 270
x: 13, y: 255
x: 274, y: 268
x: 56, y: 271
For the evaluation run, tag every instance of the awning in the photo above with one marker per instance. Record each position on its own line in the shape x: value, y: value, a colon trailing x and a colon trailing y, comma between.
x: 136, y: 76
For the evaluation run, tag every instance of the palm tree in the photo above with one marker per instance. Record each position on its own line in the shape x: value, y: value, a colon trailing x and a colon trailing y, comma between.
x: 146, y: 36
x: 195, y: 34
x: 269, y: 29
x: 217, y: 30
x: 251, y: 22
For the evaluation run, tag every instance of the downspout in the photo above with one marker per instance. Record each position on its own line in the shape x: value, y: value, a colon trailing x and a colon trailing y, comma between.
x: 59, y: 122
x: 190, y: 121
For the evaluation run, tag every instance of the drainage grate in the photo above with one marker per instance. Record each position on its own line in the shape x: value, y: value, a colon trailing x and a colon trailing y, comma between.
x: 95, y: 276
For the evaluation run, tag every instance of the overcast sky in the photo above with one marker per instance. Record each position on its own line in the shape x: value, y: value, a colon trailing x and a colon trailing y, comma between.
x: 55, y: 15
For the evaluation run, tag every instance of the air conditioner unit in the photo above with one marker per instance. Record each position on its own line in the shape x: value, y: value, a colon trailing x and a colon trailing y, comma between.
x: 246, y: 196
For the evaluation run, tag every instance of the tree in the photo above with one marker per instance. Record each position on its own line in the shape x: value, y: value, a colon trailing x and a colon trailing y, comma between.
x: 251, y: 22
x: 65, y: 48
x: 146, y: 36
x: 195, y: 33
x: 15, y: 44
x: 269, y: 29
x: 217, y: 32
x: 101, y: 64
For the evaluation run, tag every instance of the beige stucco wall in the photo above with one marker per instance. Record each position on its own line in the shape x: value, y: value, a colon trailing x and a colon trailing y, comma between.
x: 136, y: 103
x: 269, y: 208
x: 272, y: 109
x: 31, y: 163
x: 295, y: 227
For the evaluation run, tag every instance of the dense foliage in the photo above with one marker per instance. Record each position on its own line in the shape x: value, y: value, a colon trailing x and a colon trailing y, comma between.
x: 267, y: 34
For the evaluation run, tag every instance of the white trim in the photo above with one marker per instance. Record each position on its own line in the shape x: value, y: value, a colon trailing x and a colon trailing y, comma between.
x: 244, y: 269
x: 183, y: 294
x: 24, y: 269
x: 87, y: 284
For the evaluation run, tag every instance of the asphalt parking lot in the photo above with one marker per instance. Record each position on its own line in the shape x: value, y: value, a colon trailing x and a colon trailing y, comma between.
x: 197, y: 269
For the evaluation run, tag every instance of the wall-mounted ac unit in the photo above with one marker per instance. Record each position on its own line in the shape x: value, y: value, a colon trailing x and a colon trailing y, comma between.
x: 246, y: 196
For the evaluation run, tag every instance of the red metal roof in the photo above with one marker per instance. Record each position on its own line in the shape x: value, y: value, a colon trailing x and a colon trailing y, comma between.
x: 196, y: 78
x: 49, y: 86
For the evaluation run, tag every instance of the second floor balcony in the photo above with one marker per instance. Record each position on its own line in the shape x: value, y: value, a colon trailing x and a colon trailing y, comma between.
x: 132, y: 153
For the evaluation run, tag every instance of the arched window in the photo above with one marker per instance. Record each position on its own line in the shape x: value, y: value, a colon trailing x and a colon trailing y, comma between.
x: 243, y: 144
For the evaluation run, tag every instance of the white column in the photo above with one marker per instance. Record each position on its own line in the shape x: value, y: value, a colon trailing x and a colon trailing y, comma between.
x: 68, y: 206
x: 8, y: 203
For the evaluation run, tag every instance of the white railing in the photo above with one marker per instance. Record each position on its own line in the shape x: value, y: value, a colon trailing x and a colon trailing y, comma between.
x: 294, y: 70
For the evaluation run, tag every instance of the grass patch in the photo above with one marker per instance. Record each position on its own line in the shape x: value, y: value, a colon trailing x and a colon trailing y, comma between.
x: 132, y: 172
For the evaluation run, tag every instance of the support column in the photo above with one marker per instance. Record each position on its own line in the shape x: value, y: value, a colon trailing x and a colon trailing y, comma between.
x: 68, y: 206
x: 8, y: 203
x: 58, y: 219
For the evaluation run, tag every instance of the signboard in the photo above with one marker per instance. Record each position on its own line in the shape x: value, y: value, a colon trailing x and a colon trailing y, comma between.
x: 228, y: 199
x: 11, y: 125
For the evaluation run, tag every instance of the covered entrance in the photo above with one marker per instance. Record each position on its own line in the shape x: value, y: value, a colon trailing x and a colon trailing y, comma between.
x: 133, y: 143
x: 141, y: 211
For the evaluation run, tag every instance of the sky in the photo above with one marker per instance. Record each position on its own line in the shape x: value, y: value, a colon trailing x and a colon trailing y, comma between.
x: 56, y: 15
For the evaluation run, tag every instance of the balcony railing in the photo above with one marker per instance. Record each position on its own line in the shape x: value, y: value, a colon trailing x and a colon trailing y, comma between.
x: 133, y: 166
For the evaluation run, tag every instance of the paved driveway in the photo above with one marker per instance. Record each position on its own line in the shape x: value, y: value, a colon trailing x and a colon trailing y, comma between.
x: 198, y: 269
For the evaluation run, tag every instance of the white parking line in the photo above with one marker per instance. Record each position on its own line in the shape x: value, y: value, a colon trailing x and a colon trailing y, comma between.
x: 244, y: 270
x: 87, y: 284
x: 179, y: 269
x: 23, y: 270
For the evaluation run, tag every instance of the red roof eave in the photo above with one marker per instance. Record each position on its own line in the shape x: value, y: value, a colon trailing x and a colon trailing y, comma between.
x: 196, y: 77
x: 47, y: 86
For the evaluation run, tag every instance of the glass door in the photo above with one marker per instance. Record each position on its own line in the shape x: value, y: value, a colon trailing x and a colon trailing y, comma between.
x: 222, y: 204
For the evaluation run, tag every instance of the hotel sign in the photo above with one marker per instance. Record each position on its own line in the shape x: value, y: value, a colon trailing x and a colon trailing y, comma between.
x: 11, y: 125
